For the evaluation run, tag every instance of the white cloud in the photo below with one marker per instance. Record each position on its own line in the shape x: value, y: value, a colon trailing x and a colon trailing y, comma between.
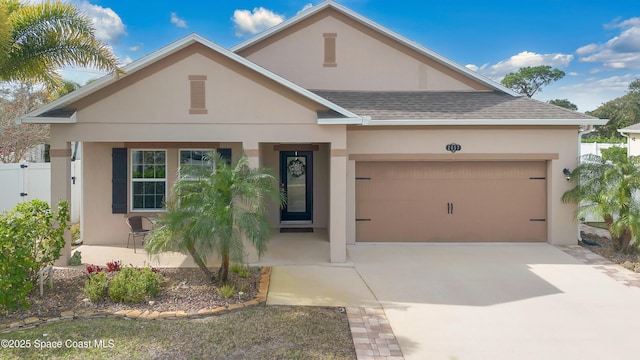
x: 523, y: 59
x: 589, y: 93
x: 135, y: 47
x: 620, y: 52
x: 178, y: 22
x: 126, y: 61
x: 253, y: 22
x: 472, y: 67
x: 109, y: 27
x: 307, y: 6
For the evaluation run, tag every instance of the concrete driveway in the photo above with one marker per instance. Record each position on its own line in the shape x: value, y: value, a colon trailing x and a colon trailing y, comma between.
x: 499, y: 301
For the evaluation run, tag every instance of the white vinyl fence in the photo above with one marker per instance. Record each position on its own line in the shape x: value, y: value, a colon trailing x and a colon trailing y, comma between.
x: 28, y: 181
x: 596, y: 149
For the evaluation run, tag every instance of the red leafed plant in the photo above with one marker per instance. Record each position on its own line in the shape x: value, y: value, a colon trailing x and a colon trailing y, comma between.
x: 113, y: 266
x: 93, y: 269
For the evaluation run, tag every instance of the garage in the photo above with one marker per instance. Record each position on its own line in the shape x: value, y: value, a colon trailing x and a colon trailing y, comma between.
x: 461, y: 201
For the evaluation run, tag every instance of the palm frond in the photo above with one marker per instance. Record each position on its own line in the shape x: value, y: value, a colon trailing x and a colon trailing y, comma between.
x: 48, y: 36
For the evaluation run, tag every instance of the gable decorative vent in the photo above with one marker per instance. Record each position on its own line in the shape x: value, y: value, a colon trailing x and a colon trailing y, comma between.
x: 198, y: 97
x: 330, y: 49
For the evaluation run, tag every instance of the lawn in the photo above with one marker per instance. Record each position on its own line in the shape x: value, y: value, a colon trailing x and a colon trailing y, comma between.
x: 263, y: 332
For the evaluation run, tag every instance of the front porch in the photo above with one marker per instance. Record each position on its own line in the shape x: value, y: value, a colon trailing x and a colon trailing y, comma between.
x: 283, y: 249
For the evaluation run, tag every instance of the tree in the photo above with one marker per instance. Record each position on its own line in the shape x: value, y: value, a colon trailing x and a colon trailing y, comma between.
x: 210, y: 212
x: 564, y: 103
x: 621, y: 112
x: 17, y: 139
x: 606, y: 186
x: 36, y: 40
x: 529, y: 80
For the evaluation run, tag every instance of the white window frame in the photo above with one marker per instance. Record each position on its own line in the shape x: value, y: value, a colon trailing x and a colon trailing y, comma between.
x: 133, y: 180
x: 212, y: 151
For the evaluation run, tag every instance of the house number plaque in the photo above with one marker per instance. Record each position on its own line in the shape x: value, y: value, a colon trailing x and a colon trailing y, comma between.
x: 453, y: 147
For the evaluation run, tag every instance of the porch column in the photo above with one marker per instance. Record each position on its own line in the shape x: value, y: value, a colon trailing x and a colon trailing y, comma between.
x: 252, y: 150
x: 337, y: 205
x: 61, y: 189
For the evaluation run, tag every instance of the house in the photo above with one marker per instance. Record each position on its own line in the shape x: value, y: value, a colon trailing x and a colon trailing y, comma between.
x: 632, y: 133
x: 374, y: 137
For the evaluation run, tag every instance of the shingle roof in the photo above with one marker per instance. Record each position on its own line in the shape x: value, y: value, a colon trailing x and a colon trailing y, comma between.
x: 631, y: 129
x: 384, y: 105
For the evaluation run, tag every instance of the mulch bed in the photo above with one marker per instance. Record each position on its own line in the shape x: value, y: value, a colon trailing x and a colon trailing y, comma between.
x: 183, y: 289
x: 629, y: 260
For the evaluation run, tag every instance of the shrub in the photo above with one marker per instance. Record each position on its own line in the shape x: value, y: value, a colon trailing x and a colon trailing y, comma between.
x: 31, y: 235
x: 76, y: 258
x: 131, y: 285
x: 95, y: 288
x: 241, y: 270
x: 226, y: 291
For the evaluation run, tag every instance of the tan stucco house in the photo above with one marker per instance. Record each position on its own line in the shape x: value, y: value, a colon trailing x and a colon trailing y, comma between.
x: 632, y: 133
x: 374, y: 137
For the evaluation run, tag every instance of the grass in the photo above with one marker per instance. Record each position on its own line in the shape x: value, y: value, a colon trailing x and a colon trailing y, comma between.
x: 266, y: 332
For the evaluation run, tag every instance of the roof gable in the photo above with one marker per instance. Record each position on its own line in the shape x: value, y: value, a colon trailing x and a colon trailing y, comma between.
x: 307, y: 18
x: 50, y: 113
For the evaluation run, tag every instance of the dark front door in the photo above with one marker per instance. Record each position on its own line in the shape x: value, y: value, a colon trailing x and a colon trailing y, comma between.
x: 296, y: 180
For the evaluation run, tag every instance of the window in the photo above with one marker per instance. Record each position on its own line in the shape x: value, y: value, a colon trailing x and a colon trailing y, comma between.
x: 194, y: 160
x: 149, y: 179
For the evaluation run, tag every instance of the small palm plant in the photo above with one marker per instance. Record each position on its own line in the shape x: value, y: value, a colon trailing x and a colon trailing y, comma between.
x: 38, y: 38
x: 211, y: 211
x: 607, y: 186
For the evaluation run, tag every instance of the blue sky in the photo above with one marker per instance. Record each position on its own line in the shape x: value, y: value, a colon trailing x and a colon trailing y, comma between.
x: 597, y: 43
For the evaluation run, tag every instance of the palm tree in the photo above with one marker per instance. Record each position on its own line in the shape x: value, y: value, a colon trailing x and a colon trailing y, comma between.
x: 211, y: 211
x: 36, y: 40
x: 606, y: 186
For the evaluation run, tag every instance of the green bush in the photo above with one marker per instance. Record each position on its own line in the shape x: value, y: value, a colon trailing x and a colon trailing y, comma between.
x: 76, y: 258
x: 241, y: 270
x: 95, y: 288
x: 226, y: 291
x: 31, y: 236
x: 131, y: 285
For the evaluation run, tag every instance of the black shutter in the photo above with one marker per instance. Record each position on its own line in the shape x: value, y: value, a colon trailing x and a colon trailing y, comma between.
x: 119, y: 181
x: 225, y: 154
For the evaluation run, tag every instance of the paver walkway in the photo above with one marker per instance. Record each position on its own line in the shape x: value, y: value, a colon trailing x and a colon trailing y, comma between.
x: 372, y: 334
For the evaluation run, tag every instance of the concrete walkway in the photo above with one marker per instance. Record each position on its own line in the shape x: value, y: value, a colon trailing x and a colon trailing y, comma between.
x: 475, y: 301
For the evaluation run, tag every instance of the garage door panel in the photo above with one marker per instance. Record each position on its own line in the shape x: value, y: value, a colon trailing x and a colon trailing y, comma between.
x: 451, y: 201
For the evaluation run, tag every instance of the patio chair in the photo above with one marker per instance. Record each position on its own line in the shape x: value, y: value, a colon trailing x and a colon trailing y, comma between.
x: 137, y: 229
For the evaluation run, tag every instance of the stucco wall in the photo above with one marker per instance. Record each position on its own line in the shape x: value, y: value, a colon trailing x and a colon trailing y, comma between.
x: 233, y: 95
x: 491, y: 143
x: 365, y: 61
x: 633, y: 144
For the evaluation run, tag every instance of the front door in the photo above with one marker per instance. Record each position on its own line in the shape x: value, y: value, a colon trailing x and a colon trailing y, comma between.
x: 296, y: 180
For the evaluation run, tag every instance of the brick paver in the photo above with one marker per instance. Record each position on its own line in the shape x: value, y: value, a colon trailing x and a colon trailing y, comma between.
x: 372, y: 335
x: 615, y: 271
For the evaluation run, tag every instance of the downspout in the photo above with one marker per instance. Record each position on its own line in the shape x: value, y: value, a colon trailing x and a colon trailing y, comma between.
x: 582, y: 131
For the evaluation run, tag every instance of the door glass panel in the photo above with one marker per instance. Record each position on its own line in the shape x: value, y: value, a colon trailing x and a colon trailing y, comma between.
x: 296, y: 184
